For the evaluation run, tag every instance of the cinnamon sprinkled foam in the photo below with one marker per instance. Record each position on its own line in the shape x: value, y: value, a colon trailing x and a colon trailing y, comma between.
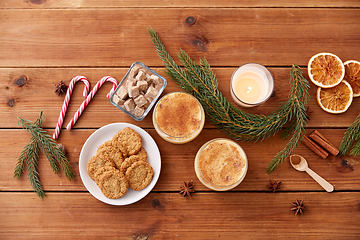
x: 178, y: 117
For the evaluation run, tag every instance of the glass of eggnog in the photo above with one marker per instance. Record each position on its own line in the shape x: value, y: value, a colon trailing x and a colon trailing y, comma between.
x: 251, y: 85
x: 178, y: 117
x: 221, y: 164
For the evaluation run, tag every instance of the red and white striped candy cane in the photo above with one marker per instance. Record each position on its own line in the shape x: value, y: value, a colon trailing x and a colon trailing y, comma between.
x: 90, y: 97
x: 67, y: 100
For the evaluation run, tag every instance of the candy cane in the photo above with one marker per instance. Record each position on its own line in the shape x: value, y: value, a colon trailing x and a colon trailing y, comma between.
x: 90, y: 97
x: 67, y: 100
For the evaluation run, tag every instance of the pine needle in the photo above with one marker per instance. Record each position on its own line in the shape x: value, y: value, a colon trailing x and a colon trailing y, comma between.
x: 200, y: 81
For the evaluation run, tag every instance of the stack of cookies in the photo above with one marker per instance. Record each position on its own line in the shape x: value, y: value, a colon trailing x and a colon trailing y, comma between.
x: 120, y: 163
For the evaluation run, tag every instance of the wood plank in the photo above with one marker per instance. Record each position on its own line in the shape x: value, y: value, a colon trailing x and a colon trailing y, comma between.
x: 225, y: 36
x: 178, y: 163
x: 168, y: 216
x: 178, y: 3
x: 38, y: 95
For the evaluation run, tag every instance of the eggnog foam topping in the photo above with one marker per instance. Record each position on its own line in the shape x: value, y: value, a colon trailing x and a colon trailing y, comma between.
x: 221, y: 163
x: 178, y: 114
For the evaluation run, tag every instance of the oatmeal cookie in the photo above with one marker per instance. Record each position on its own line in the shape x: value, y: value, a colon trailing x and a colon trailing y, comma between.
x: 113, y: 184
x: 142, y: 154
x: 111, y: 154
x: 129, y: 161
x: 115, y: 144
x: 130, y: 139
x: 102, y: 170
x: 95, y: 163
x: 140, y: 175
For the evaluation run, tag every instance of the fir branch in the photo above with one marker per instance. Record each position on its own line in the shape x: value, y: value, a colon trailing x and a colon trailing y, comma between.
x: 351, y: 139
x: 298, y: 97
x: 32, y: 172
x: 172, y: 68
x: 355, y: 150
x: 200, y: 81
x: 40, y: 135
x: 30, y: 154
x: 56, y: 157
x: 288, y: 130
x: 20, y: 165
x: 29, y: 157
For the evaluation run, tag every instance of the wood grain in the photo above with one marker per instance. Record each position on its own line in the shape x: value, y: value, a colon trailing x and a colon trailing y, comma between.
x: 169, y: 216
x: 178, y: 166
x: 166, y: 4
x: 37, y: 94
x: 225, y: 36
x: 45, y: 41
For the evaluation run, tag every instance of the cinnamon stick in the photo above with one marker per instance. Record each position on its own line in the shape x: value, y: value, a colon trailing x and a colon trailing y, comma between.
x: 314, y: 147
x: 323, y: 142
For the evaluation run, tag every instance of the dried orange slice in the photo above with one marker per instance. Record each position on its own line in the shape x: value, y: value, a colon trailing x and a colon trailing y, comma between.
x: 337, y: 99
x: 352, y: 75
x: 326, y: 70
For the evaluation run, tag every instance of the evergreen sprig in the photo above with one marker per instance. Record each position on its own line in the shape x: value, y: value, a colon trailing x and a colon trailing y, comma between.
x: 40, y: 140
x: 26, y: 153
x: 200, y: 81
x: 351, y: 139
x: 31, y: 162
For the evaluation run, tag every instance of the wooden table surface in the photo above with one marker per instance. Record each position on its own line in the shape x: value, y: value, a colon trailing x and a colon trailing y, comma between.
x: 45, y: 41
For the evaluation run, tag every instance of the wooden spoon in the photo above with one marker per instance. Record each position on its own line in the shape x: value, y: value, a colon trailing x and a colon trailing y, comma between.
x: 302, y: 165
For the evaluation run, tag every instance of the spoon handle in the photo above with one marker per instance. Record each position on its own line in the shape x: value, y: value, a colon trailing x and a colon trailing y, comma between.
x: 325, y: 184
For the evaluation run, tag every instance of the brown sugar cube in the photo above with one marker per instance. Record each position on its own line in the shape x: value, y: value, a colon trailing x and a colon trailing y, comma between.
x: 148, y: 78
x: 117, y: 100
x: 138, y: 111
x: 121, y: 102
x: 134, y: 71
x: 122, y: 93
x: 151, y: 93
x: 158, y: 87
x: 129, y: 105
x: 146, y: 105
x: 141, y: 76
x: 143, y: 86
x: 140, y: 101
x: 157, y: 82
x: 130, y: 82
x: 134, y: 91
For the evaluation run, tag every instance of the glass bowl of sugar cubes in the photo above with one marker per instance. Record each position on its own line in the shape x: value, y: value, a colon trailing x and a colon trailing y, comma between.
x: 138, y: 91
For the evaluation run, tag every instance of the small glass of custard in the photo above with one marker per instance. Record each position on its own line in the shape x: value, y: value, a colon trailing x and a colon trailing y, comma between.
x: 178, y: 117
x: 221, y: 164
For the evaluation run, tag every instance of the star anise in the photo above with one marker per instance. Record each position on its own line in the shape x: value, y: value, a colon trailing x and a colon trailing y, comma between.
x: 60, y: 88
x: 274, y: 185
x: 298, y: 207
x: 187, y: 188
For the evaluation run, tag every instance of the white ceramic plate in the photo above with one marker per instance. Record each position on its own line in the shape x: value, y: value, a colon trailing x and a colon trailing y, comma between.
x: 106, y: 133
